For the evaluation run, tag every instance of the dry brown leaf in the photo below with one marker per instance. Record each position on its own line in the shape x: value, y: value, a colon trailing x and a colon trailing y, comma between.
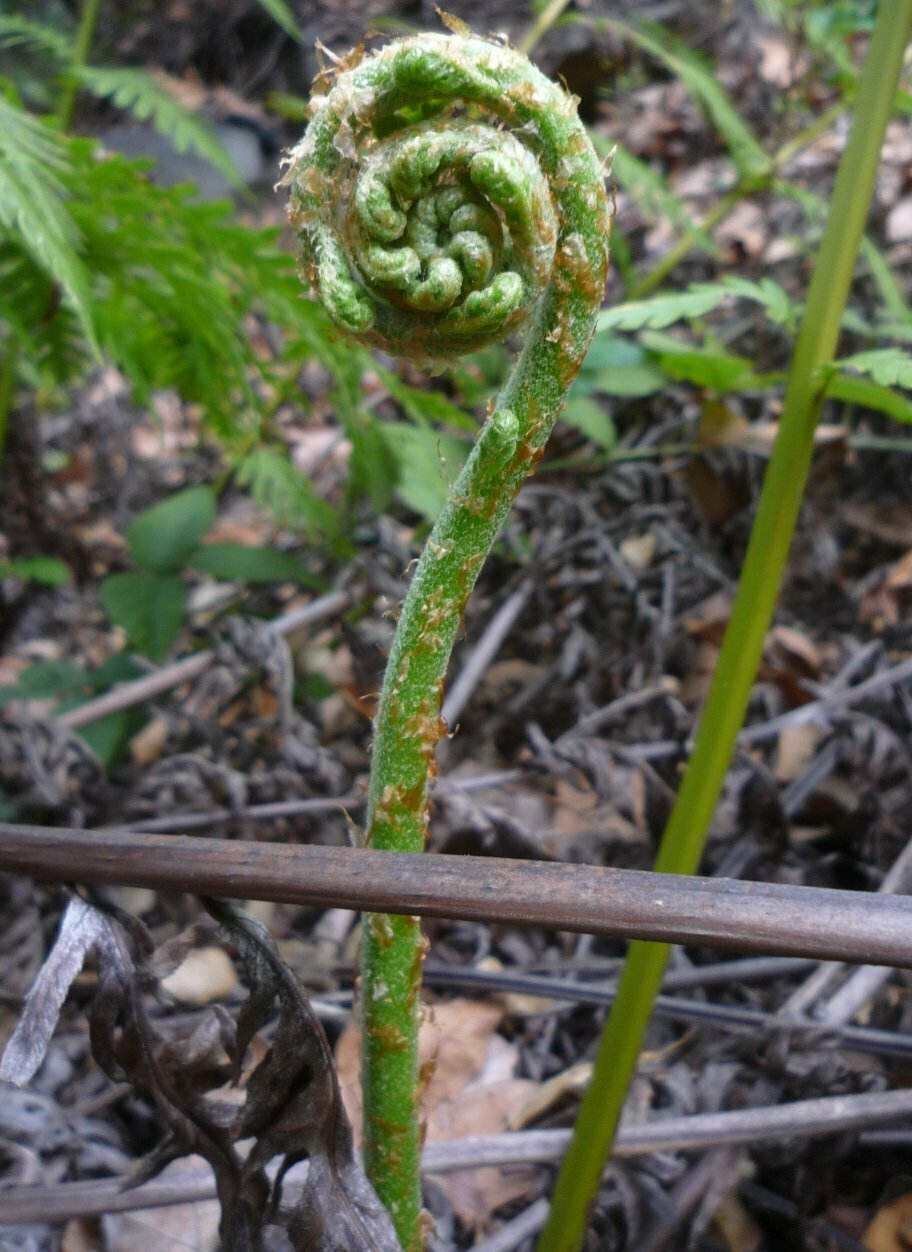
x: 885, y: 603
x: 789, y: 659
x: 569, y: 1082
x: 796, y: 647
x: 739, y: 1230
x: 478, y: 1193
x: 743, y: 230
x: 696, y: 682
x: 147, y: 745
x: 721, y: 428
x: 503, y: 678
x: 708, y: 619
x: 574, y: 807
x: 891, y: 1229
x: 313, y: 447
x: 778, y: 62
x: 890, y: 523
x: 136, y: 901
x: 900, y: 576
x: 252, y: 531
x: 638, y: 550
x: 898, y: 225
x: 10, y: 669
x: 81, y: 1235
x: 717, y: 494
x: 795, y: 750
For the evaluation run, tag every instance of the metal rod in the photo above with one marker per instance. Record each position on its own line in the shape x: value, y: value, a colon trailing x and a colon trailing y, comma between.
x: 746, y: 916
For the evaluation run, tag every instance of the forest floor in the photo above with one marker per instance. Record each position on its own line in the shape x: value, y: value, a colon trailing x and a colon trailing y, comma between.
x: 570, y: 738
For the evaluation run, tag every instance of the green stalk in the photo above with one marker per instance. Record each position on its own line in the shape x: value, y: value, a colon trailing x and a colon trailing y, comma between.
x: 432, y: 232
x: 88, y: 21
x: 777, y: 514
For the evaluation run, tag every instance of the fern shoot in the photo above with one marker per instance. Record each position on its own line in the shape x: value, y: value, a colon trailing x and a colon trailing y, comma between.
x: 444, y: 194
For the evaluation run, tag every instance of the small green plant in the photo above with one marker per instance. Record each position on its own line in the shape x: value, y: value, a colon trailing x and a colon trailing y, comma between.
x: 98, y: 263
x: 45, y: 570
x: 165, y: 540
x: 444, y: 194
x: 684, y: 336
x: 69, y: 685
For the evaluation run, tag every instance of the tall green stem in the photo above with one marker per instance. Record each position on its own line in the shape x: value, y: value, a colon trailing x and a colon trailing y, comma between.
x: 88, y: 21
x: 777, y: 514
x: 431, y: 230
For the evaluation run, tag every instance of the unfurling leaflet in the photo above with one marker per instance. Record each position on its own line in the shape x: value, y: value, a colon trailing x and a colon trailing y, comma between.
x: 445, y: 194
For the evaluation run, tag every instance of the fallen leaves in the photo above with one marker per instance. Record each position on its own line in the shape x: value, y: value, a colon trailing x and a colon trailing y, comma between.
x: 891, y: 1229
x: 886, y: 600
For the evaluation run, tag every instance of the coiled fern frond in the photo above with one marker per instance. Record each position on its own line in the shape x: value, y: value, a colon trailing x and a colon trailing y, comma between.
x: 445, y: 194
x: 443, y: 187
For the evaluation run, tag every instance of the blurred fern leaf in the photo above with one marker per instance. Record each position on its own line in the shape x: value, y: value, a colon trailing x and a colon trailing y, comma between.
x: 17, y: 31
x: 36, y: 208
x: 142, y: 97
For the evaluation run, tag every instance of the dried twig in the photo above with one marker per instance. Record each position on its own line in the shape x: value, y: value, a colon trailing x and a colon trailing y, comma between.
x: 736, y: 1018
x: 279, y: 809
x: 798, y: 1119
x: 529, y: 1222
x: 747, y: 916
x: 483, y: 653
x: 127, y: 695
x: 832, y: 702
x: 864, y: 982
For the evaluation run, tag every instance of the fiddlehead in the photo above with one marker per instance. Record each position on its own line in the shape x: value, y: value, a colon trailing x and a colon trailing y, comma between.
x: 445, y: 193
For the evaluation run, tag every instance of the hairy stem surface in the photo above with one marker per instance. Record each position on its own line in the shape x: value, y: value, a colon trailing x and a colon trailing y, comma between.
x: 445, y: 193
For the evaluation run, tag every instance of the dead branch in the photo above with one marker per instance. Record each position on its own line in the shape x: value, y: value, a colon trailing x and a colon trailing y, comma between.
x: 819, y: 922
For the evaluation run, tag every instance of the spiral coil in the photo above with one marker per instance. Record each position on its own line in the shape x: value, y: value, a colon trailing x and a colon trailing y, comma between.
x: 435, y: 192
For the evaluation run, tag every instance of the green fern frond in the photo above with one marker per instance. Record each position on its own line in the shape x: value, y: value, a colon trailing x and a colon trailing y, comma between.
x: 698, y: 300
x: 888, y: 367
x: 276, y: 485
x: 21, y: 32
x: 140, y: 95
x: 54, y: 348
x: 35, y: 207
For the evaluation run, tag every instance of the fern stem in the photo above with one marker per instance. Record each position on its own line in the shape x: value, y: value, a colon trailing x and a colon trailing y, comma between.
x: 454, y: 230
x: 771, y: 536
x: 88, y: 22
